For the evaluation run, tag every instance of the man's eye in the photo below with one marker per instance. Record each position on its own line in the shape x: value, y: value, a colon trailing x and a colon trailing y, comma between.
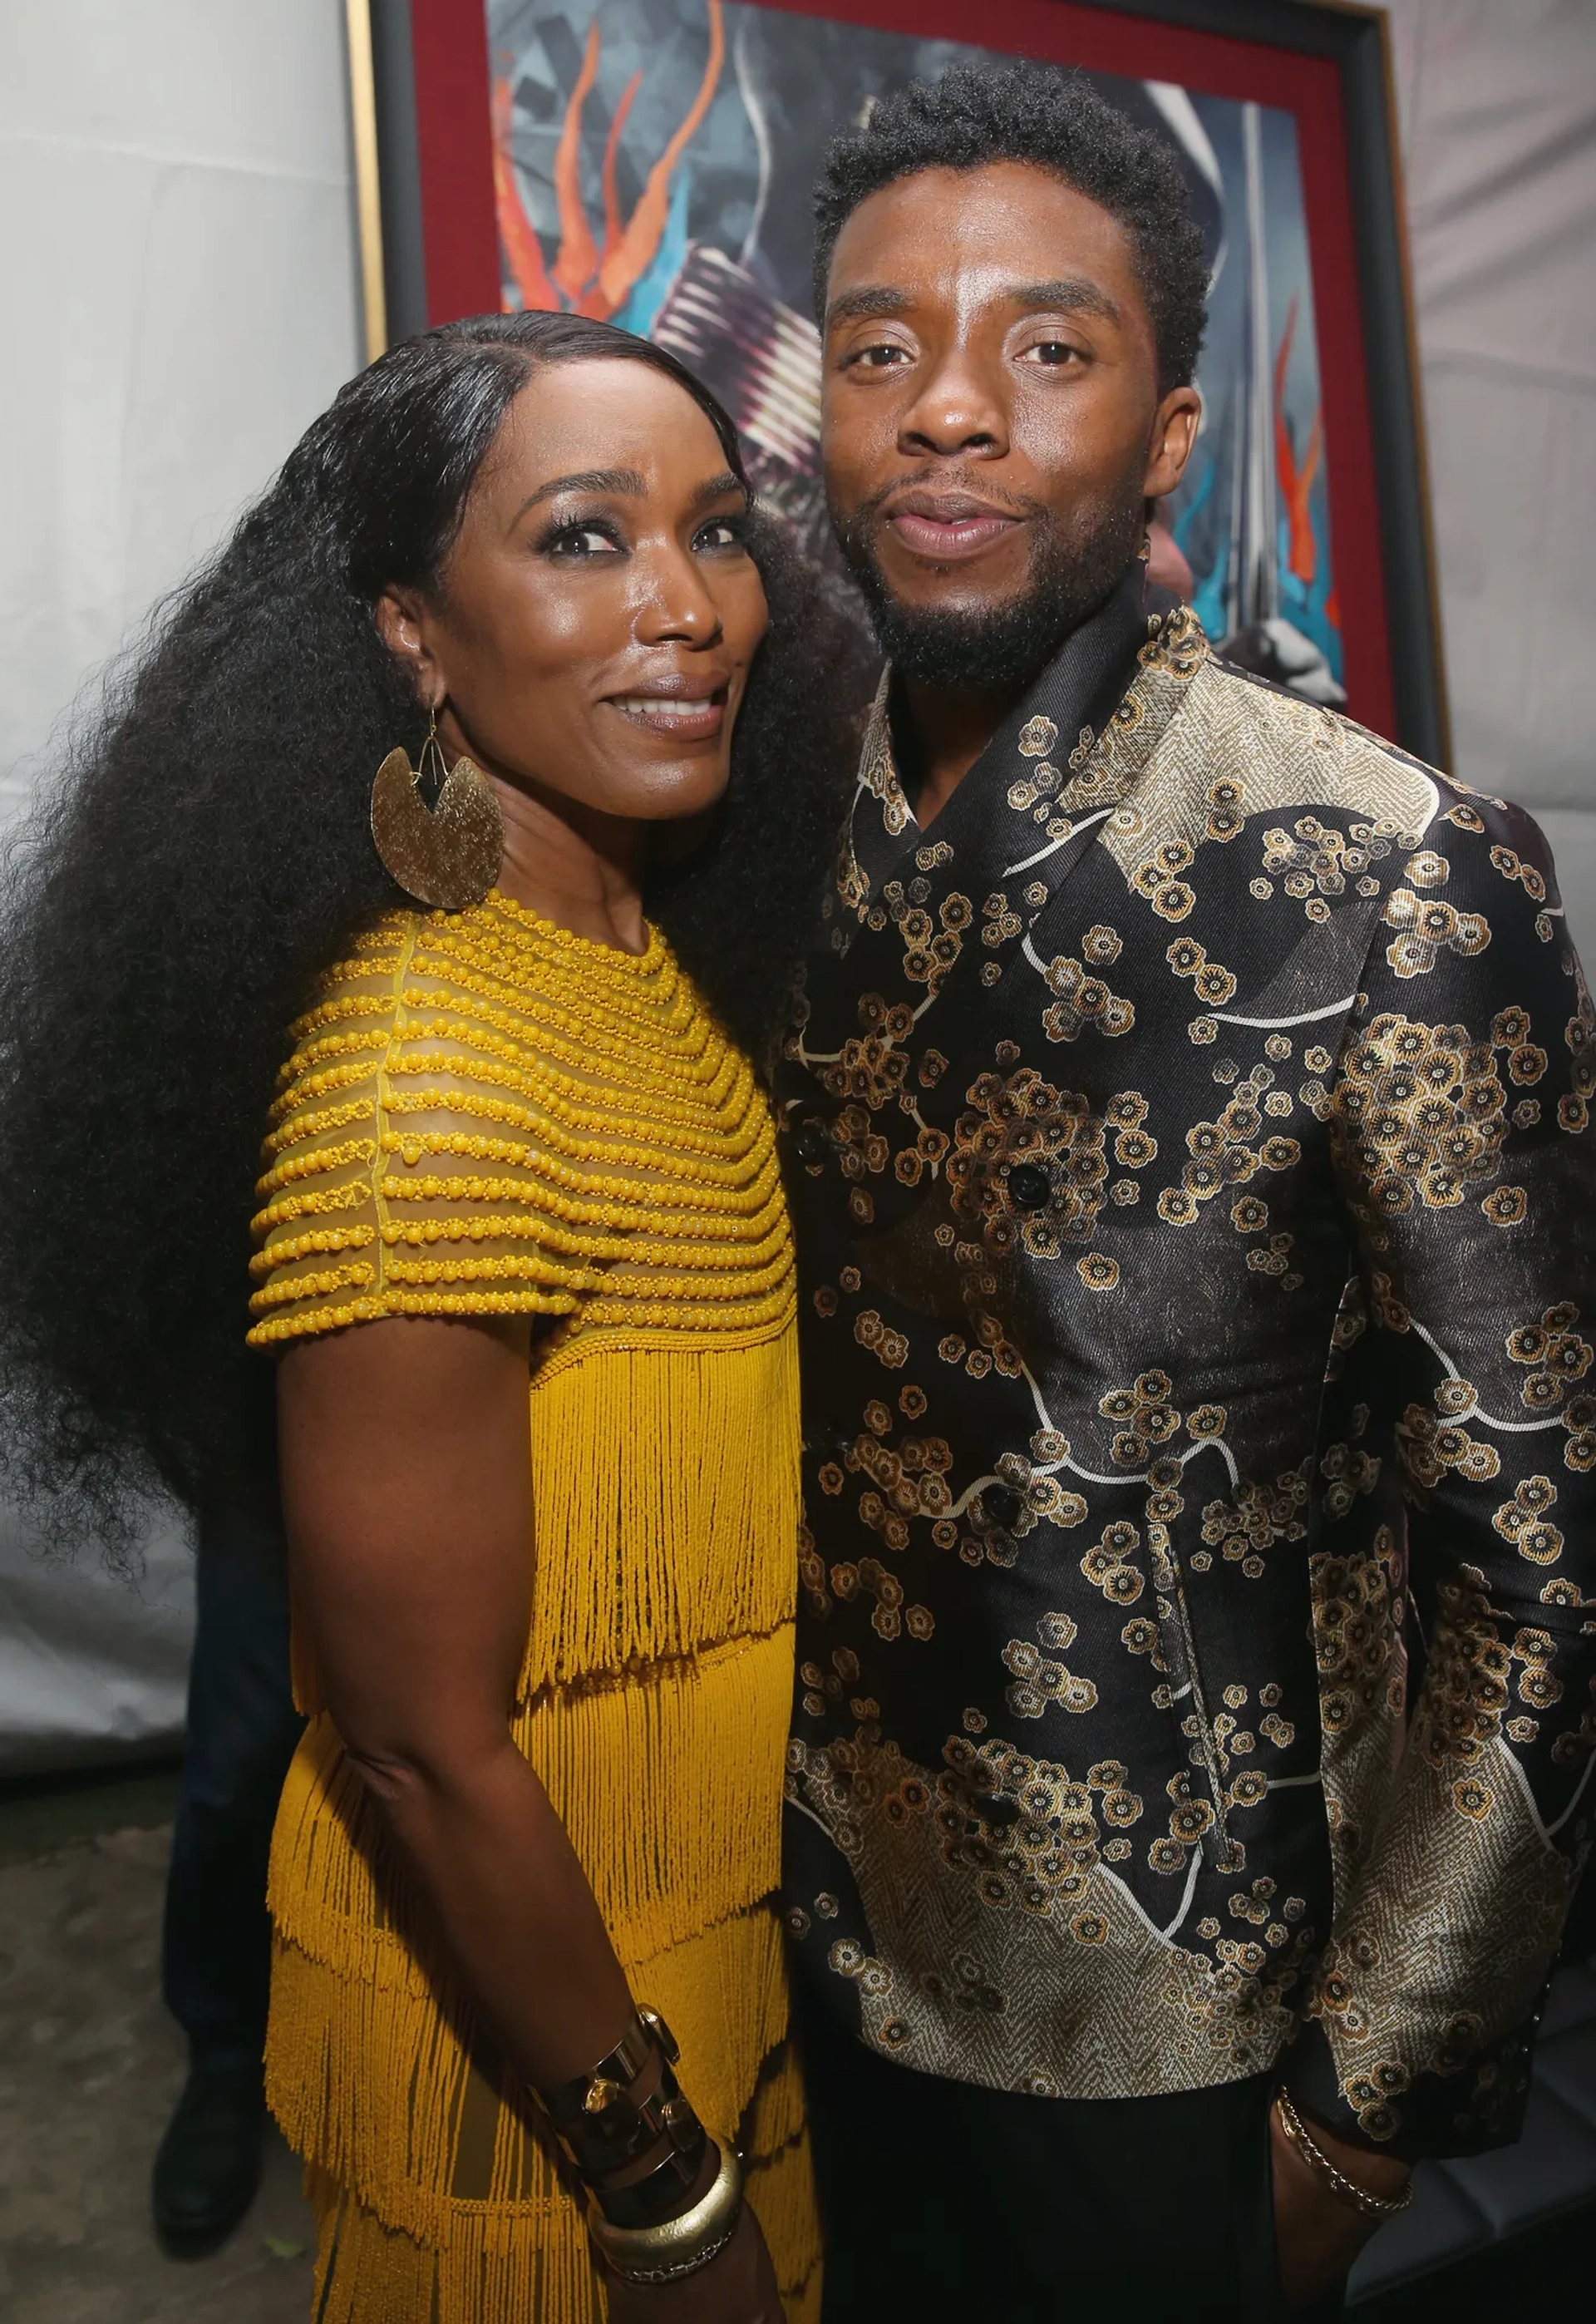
x: 580, y: 540
x: 1050, y: 351
x: 882, y: 357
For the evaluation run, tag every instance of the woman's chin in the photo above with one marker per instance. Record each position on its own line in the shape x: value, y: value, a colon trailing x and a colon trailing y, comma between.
x: 679, y: 790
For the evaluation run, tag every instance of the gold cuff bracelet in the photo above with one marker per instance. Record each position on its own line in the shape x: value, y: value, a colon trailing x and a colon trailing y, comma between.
x: 677, y: 2246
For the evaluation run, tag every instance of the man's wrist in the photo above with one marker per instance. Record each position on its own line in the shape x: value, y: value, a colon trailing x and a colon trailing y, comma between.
x: 1382, y: 2180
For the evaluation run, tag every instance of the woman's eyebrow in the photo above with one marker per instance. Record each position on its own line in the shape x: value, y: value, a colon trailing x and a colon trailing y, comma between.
x: 587, y: 480
x: 717, y: 489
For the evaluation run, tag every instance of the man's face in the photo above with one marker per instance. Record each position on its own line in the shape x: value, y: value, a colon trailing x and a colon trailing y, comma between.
x: 992, y: 425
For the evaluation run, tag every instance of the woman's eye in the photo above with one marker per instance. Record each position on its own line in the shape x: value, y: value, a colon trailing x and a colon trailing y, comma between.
x: 577, y: 540
x: 720, y: 532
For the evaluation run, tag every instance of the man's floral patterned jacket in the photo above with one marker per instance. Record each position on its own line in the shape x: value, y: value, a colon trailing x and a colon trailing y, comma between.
x: 1189, y: 1142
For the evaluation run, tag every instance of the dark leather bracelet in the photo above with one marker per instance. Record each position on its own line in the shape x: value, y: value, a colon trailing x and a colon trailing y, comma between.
x: 604, y: 2128
x: 661, y: 2194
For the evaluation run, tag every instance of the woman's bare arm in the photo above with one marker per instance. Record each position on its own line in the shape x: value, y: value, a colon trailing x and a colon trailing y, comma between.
x: 406, y: 1491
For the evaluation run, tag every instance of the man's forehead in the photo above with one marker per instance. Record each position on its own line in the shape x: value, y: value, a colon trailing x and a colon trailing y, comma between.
x: 1008, y: 228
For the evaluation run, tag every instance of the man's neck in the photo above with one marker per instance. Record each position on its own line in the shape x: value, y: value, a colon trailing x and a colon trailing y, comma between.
x: 941, y: 734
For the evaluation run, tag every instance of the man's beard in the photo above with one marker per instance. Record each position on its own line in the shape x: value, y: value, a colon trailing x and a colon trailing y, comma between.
x: 1074, y: 564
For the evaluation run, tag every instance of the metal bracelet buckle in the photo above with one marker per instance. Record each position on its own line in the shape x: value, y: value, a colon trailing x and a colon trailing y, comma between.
x: 600, y: 2127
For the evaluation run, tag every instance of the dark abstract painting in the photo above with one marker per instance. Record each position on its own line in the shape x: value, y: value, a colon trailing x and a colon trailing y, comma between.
x: 653, y: 160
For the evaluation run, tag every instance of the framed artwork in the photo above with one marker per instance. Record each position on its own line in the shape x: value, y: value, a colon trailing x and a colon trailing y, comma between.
x: 650, y: 161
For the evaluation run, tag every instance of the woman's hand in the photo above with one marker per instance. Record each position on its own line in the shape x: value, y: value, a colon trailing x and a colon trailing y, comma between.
x: 1317, y: 2233
x: 737, y: 2287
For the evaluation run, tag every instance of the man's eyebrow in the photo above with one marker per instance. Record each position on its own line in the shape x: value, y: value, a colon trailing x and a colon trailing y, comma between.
x: 1073, y: 294
x: 586, y: 480
x: 869, y: 299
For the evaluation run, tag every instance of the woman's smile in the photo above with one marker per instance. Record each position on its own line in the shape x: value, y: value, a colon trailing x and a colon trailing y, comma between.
x: 686, y: 709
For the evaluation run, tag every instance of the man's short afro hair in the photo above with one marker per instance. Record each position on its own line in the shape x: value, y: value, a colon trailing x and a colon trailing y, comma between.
x: 976, y: 115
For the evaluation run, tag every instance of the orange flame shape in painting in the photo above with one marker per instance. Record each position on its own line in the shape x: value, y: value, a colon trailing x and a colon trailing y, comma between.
x: 1296, y: 484
x: 585, y: 278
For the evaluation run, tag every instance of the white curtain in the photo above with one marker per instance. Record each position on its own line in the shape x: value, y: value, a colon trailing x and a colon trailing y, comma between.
x: 1496, y: 102
x: 177, y: 279
x: 92, y: 1664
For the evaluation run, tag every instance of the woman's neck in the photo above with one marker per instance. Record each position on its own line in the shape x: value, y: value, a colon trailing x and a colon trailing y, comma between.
x: 570, y: 864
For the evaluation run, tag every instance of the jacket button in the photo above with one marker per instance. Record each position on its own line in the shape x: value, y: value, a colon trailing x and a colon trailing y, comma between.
x: 997, y: 1813
x: 1001, y: 1505
x: 812, y: 1144
x: 1031, y: 1187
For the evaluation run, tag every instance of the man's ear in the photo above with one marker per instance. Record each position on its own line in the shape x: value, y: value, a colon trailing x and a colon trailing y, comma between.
x: 402, y: 626
x: 1174, y: 432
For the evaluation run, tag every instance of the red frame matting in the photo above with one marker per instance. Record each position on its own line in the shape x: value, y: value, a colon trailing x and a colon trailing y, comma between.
x: 450, y: 42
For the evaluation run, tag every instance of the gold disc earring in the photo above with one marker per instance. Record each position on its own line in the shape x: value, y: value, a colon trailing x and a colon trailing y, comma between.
x: 449, y: 855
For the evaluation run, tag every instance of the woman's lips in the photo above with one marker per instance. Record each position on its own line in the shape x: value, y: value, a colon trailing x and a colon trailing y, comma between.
x: 950, y: 534
x: 679, y: 718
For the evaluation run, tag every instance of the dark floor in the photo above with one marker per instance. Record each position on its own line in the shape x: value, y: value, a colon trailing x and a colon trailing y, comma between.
x: 89, y: 2067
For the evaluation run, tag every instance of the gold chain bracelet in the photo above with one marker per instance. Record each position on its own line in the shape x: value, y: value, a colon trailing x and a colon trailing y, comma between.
x: 1373, y: 2207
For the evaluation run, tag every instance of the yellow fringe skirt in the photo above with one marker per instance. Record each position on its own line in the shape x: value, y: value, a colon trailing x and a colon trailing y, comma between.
x: 439, y: 2196
x: 653, y: 1704
x: 543, y: 2272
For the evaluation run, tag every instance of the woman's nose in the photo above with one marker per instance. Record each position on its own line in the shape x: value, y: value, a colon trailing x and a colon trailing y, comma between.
x: 677, y: 603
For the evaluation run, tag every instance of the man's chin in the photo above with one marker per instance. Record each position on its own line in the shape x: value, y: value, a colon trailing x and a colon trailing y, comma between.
x: 979, y: 631
x: 979, y: 650
x: 952, y: 592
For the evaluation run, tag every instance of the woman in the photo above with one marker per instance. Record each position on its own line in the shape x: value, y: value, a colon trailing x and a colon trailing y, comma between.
x: 538, y: 1796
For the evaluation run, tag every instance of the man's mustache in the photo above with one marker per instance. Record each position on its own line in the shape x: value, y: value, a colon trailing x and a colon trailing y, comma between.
x: 979, y: 488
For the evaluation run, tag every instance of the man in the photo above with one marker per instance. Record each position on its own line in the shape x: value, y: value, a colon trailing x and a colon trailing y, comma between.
x: 1186, y: 1127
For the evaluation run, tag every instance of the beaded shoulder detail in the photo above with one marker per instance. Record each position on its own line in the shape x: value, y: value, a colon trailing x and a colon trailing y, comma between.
x: 483, y: 1115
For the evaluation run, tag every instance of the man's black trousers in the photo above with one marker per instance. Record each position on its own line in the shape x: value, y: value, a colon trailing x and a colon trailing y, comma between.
x: 945, y: 2201
x: 243, y: 1729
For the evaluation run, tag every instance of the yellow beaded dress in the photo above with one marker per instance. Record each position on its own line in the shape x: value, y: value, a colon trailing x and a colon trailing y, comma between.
x: 485, y: 1115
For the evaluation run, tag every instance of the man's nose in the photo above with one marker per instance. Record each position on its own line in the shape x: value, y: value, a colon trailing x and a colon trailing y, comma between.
x: 958, y: 409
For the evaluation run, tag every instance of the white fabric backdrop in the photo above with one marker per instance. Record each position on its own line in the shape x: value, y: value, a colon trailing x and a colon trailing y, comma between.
x: 179, y: 283
x: 92, y: 1666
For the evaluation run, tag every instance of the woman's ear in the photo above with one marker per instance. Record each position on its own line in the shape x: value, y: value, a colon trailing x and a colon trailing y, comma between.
x: 402, y: 627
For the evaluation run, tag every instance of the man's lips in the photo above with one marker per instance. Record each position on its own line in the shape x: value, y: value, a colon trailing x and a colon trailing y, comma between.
x: 687, y: 709
x: 946, y: 526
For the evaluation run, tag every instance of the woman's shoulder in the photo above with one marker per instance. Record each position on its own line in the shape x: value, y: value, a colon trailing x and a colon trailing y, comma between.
x: 400, y: 1164
x: 334, y: 1044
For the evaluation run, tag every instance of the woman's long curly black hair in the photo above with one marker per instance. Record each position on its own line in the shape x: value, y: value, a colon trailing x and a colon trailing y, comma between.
x: 206, y: 849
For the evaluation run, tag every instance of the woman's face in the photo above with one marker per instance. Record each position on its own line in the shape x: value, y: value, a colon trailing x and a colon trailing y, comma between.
x: 599, y: 610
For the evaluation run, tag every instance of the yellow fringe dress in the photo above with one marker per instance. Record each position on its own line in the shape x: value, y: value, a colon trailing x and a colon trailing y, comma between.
x: 484, y: 1115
